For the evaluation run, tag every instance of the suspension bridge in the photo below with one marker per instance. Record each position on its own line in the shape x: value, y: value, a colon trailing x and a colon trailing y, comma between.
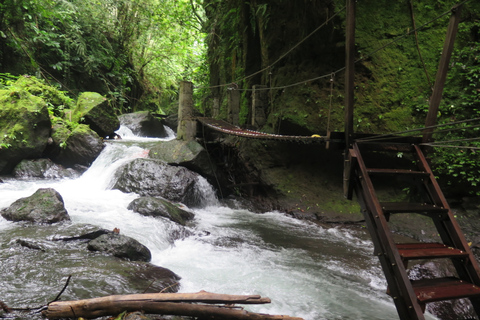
x: 365, y: 173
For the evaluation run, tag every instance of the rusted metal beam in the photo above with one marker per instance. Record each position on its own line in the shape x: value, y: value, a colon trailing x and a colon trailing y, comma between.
x: 442, y: 73
x: 350, y: 71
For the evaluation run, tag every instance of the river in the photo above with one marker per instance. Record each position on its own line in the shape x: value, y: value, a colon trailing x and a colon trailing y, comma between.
x: 307, y: 271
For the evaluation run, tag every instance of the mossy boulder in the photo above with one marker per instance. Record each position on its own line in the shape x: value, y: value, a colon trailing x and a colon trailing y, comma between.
x: 24, y: 127
x: 44, y: 206
x: 159, y: 207
x: 81, y: 147
x: 143, y: 124
x: 94, y: 110
x: 191, y: 155
x: 56, y: 99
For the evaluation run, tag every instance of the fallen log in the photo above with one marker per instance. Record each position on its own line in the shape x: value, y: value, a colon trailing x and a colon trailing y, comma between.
x: 180, y: 304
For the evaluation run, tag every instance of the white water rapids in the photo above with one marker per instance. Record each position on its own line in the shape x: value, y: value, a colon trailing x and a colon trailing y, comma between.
x: 307, y: 271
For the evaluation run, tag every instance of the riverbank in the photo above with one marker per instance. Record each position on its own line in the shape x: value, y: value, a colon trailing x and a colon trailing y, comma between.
x: 306, y: 181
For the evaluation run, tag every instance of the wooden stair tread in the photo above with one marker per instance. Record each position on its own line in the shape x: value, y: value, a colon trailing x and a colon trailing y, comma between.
x: 412, y: 251
x: 430, y: 290
x: 407, y: 207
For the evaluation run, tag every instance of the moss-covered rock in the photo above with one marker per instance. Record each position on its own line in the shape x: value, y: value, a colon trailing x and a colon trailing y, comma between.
x: 94, y: 110
x: 82, y: 146
x: 56, y: 99
x: 44, y: 206
x: 159, y: 207
x: 24, y: 127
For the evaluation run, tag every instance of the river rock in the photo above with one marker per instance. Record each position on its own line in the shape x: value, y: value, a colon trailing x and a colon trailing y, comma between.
x: 158, y: 207
x: 94, y: 110
x: 42, y: 168
x: 24, y: 127
x: 120, y: 246
x: 44, y: 206
x: 82, y: 147
x: 143, y: 124
x: 191, y: 155
x: 151, y: 177
x: 137, y: 315
x: 172, y: 121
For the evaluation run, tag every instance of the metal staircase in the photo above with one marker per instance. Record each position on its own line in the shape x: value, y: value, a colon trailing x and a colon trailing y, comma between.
x: 369, y: 169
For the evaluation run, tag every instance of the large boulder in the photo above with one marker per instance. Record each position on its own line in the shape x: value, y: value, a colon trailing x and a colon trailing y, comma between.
x: 143, y: 124
x: 94, y: 110
x: 151, y: 177
x: 44, y: 206
x: 81, y: 147
x: 24, y: 127
x: 42, y: 168
x: 120, y: 246
x: 158, y: 207
x: 191, y: 155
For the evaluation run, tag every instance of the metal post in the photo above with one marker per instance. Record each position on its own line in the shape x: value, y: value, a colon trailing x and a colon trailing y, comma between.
x: 442, y: 73
x: 349, y: 90
x: 350, y: 72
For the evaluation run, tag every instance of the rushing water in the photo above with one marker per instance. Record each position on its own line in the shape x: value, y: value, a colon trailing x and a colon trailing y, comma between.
x: 308, y: 271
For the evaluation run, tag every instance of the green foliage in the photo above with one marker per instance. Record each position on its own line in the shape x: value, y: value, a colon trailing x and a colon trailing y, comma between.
x: 132, y: 51
x: 462, y: 102
x: 6, y: 80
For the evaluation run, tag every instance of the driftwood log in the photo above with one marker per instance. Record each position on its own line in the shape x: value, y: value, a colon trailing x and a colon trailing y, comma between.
x: 181, y: 304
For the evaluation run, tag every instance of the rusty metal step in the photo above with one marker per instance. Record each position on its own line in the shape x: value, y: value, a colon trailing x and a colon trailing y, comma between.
x: 421, y: 250
x: 439, y: 289
x: 408, y: 207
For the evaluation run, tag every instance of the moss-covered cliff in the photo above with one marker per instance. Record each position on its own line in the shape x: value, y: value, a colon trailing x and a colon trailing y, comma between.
x: 286, y: 44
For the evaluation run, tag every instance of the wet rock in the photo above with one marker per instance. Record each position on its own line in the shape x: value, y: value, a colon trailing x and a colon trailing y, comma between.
x: 30, y: 244
x: 471, y: 205
x: 42, y: 168
x: 158, y: 207
x: 81, y: 147
x: 172, y: 121
x: 143, y: 124
x: 24, y: 127
x: 164, y: 280
x: 44, y: 206
x: 191, y: 155
x: 151, y: 177
x: 120, y: 246
x: 137, y: 315
x: 87, y: 236
x: 94, y: 110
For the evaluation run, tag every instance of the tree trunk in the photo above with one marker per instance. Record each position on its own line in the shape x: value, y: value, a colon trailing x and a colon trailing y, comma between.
x: 183, y: 304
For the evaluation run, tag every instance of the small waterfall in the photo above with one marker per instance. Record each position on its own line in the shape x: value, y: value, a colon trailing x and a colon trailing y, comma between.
x: 126, y: 134
x: 205, y: 193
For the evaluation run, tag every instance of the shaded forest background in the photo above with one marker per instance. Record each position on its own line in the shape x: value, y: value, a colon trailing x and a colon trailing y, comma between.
x: 136, y: 52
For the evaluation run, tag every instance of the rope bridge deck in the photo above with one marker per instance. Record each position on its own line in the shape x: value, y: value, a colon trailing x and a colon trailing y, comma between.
x: 227, y: 128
